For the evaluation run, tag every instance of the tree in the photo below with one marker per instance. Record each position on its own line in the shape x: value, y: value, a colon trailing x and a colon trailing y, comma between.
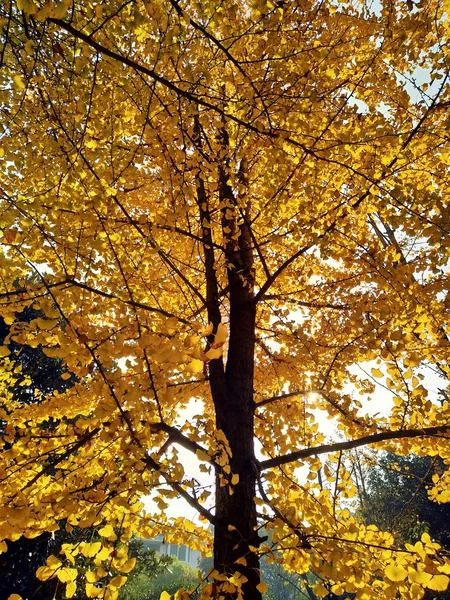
x: 32, y: 374
x: 149, y: 571
x: 244, y: 204
x: 148, y: 587
x: 28, y: 375
x: 397, y: 498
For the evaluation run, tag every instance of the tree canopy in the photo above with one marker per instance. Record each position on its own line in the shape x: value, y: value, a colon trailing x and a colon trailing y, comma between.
x: 243, y: 204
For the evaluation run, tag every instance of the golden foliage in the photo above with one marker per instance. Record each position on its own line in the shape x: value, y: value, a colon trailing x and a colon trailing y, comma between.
x: 152, y: 152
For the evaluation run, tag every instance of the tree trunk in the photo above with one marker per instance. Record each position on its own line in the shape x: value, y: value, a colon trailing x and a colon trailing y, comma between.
x: 234, y: 416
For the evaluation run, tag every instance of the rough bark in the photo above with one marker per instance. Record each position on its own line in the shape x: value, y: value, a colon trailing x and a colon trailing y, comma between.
x: 232, y: 386
x: 235, y: 418
x: 235, y: 408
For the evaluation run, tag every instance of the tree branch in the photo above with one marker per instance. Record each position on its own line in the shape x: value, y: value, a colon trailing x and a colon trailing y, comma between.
x: 150, y: 462
x: 176, y: 436
x: 135, y: 304
x: 283, y: 397
x: 364, y: 441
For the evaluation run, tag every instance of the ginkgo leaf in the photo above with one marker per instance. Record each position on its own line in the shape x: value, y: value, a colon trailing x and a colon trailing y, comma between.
x: 18, y: 82
x: 395, y: 572
x: 419, y: 577
x: 106, y: 531
x: 261, y: 587
x: 128, y: 566
x: 46, y: 324
x: 91, y: 549
x: 45, y: 573
x: 93, y: 591
x: 207, y: 330
x: 104, y: 553
x: 202, y: 455
x: 118, y: 581
x: 66, y: 574
x: 196, y: 366
x: 71, y: 588
x: 438, y: 583
x: 213, y: 353
x: 164, y: 596
x: 53, y: 562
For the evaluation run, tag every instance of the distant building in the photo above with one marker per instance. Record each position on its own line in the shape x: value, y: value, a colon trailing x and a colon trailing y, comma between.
x: 183, y: 553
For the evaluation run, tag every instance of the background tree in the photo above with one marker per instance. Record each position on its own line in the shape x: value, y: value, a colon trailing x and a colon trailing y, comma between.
x: 244, y: 204
x: 145, y: 586
x: 29, y: 376
x: 397, y: 498
x: 153, y: 572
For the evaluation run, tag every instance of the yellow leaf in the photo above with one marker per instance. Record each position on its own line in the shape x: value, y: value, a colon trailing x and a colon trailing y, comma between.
x: 14, y: 597
x: 419, y: 577
x: 438, y: 583
x: 4, y: 351
x: 261, y: 587
x: 46, y: 324
x: 164, y: 596
x: 66, y: 574
x: 90, y: 550
x: 128, y: 566
x: 445, y: 568
x: 45, y: 573
x: 241, y: 561
x: 377, y: 373
x: 196, y: 366
x: 221, y: 336
x: 106, y: 531
x: 118, y: 582
x: 396, y: 573
x: 53, y: 562
x: 320, y: 590
x: 29, y: 47
x: 71, y: 588
x: 189, y: 526
x: 92, y: 591
x: 213, y: 353
x: 202, y: 455
x: 55, y: 352
x: 103, y: 554
x: 235, y: 479
x: 208, y: 330
x: 18, y: 83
